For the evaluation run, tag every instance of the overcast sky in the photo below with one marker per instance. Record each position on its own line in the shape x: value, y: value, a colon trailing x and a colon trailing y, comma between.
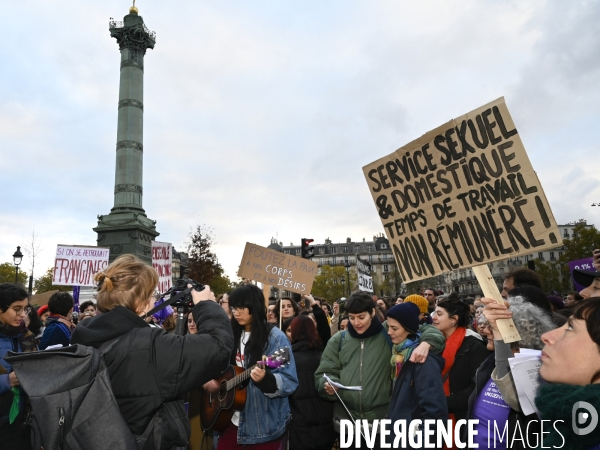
x: 259, y: 115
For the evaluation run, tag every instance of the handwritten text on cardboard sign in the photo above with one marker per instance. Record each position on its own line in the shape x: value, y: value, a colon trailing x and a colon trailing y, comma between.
x: 462, y: 195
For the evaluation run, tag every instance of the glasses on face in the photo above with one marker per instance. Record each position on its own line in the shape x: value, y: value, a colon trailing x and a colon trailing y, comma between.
x: 20, y: 310
x: 222, y: 301
x: 237, y: 308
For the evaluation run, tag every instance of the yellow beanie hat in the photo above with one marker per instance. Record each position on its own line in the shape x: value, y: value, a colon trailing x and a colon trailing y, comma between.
x: 420, y: 301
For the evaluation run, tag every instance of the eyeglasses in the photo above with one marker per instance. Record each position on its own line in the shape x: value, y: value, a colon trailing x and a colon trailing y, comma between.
x: 20, y: 310
x: 237, y: 308
x: 222, y: 301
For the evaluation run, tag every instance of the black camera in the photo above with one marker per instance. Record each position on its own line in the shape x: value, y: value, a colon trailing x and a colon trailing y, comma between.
x: 182, y: 285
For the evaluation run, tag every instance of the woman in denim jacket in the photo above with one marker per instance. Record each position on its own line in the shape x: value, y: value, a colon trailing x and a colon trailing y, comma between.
x: 263, y: 421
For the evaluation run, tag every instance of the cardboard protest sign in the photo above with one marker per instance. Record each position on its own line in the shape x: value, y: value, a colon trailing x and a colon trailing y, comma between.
x: 162, y: 260
x: 277, y: 269
x: 365, y: 280
x: 462, y: 195
x: 76, y: 265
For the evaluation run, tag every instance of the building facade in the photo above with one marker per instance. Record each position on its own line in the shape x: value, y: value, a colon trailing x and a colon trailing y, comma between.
x: 377, y: 252
x: 386, y: 277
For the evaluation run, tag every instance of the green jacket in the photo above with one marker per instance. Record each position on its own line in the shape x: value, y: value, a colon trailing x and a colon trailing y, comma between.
x: 357, y: 362
x: 366, y: 363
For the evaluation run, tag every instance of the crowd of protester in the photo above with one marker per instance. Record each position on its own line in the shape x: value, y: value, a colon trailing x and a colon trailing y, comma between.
x: 430, y: 355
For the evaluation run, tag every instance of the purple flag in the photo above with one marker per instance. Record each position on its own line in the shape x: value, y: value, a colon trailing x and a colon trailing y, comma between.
x: 76, y: 298
x: 581, y: 264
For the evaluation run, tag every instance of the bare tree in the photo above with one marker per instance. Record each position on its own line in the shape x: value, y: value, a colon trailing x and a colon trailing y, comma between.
x: 32, y: 248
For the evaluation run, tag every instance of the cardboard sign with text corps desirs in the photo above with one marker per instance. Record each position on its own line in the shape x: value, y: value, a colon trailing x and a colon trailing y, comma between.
x: 462, y: 195
x: 76, y: 265
x: 162, y: 261
x: 277, y: 269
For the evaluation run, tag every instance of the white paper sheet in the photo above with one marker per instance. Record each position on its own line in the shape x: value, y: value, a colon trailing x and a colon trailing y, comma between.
x: 341, y: 386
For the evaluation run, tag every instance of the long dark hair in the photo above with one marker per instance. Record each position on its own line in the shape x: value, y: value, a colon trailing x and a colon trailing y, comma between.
x: 304, y: 330
x: 251, y: 297
x: 589, y: 310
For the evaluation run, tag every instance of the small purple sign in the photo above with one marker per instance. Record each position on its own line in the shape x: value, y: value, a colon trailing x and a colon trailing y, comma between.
x: 581, y: 264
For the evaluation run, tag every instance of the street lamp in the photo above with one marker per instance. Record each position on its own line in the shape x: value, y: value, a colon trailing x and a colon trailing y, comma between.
x: 347, y: 266
x: 17, y: 258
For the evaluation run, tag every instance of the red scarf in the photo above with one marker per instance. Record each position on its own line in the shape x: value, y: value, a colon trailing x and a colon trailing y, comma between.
x: 453, y: 343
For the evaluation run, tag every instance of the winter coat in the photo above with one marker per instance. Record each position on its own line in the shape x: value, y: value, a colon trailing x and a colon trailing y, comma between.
x: 266, y: 415
x: 357, y: 362
x: 419, y: 392
x: 55, y: 333
x: 515, y: 418
x: 8, y: 344
x: 468, y: 358
x: 147, y: 366
x: 312, y: 417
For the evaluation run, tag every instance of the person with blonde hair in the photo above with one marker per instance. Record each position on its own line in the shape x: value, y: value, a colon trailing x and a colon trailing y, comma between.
x: 147, y: 366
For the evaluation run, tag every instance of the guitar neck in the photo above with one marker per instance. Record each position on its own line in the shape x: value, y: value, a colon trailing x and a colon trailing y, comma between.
x: 240, y: 378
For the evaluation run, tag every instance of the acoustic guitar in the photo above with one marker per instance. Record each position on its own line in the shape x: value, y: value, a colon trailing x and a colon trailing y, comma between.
x: 217, y: 408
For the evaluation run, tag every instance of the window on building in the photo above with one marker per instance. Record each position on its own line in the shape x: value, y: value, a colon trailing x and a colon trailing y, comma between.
x: 540, y: 256
x: 560, y: 254
x: 287, y: 250
x: 501, y: 271
x: 298, y: 250
x: 334, y: 260
x: 332, y: 250
x: 386, y: 268
x: 370, y: 258
x: 357, y: 249
x: 566, y: 233
x: 552, y: 257
x: 383, y: 246
x: 526, y: 258
x: 369, y: 248
x: 321, y: 250
x: 345, y: 249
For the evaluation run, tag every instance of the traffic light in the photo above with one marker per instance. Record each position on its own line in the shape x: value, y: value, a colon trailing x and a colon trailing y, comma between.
x: 307, y: 249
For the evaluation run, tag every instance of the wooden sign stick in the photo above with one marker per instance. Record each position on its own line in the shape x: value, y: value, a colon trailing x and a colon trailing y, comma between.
x: 266, y: 293
x: 490, y: 290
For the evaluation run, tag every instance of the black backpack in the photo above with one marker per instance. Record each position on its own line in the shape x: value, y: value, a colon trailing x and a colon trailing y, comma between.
x: 73, y: 405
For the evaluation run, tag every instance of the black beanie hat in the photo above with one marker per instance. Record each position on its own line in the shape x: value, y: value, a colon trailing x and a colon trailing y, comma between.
x: 407, y: 314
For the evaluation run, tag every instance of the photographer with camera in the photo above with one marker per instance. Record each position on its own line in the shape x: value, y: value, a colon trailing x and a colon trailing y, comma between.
x: 147, y: 366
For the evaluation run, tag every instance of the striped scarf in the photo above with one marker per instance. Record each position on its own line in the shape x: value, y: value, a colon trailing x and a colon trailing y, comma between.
x: 401, y: 353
